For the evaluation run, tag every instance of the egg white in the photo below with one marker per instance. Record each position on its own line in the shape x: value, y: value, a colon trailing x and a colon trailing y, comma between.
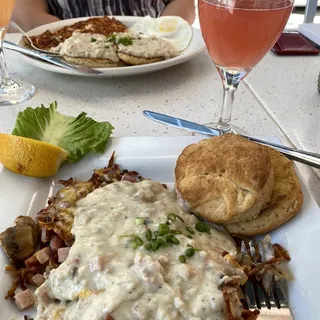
x: 171, y: 28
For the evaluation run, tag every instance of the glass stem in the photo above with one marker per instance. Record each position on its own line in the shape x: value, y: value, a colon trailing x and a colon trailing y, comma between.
x: 5, y: 77
x: 231, y: 81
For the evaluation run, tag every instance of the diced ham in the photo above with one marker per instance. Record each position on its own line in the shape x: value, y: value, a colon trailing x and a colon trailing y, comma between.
x: 63, y: 254
x: 130, y: 177
x: 38, y: 279
x: 24, y: 299
x: 43, y: 255
x: 56, y: 243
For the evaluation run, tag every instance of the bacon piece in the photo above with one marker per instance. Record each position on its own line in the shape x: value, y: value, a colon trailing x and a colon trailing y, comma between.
x: 43, y: 255
x: 24, y: 299
x: 63, y: 254
x: 31, y: 262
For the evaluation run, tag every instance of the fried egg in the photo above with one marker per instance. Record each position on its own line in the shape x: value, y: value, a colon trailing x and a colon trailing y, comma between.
x: 171, y: 28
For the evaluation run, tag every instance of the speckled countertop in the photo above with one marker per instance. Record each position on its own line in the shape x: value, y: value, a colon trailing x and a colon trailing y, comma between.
x: 279, y: 99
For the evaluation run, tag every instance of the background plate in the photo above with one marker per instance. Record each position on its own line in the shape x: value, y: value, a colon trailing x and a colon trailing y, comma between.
x: 196, y: 46
x: 155, y: 157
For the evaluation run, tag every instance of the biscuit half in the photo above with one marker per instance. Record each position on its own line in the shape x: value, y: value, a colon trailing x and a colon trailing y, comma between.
x: 286, y: 200
x: 225, y: 179
x: 135, y: 61
x: 94, y: 62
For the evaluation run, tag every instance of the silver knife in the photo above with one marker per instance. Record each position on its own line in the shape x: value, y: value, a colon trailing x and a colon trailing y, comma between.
x: 53, y: 59
x: 309, y: 158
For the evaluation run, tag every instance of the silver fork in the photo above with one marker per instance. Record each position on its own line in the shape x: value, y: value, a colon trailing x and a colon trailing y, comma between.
x: 13, y: 24
x: 272, y: 305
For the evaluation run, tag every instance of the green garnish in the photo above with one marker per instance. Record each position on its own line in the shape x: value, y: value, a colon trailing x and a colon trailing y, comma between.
x: 137, y: 242
x: 77, y: 135
x: 189, y: 236
x: 175, y: 231
x: 173, y: 217
x: 140, y: 221
x: 126, y: 41
x: 174, y: 240
x: 156, y: 245
x: 93, y: 40
x: 202, y: 227
x: 148, y: 246
x: 112, y: 38
x: 149, y: 235
x: 190, y: 252
x: 190, y: 230
x: 182, y: 259
x: 156, y: 234
x: 163, y: 229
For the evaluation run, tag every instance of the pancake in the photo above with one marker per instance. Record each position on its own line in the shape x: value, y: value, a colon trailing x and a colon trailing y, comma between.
x: 225, y: 179
x: 286, y: 200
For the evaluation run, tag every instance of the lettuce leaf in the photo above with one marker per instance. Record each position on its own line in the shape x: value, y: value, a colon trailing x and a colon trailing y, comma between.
x: 78, y: 136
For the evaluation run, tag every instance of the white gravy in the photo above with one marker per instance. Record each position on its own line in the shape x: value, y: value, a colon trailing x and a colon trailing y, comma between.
x: 105, y: 278
x: 149, y: 47
x: 84, y: 45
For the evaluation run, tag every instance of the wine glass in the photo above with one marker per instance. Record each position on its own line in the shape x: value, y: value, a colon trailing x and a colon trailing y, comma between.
x: 11, y: 92
x: 238, y: 33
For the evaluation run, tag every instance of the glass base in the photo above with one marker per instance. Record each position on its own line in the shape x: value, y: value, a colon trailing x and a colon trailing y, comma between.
x: 12, y: 92
x: 234, y: 129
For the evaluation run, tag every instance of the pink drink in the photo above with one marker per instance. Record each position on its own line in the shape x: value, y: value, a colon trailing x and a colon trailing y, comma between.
x: 240, y: 32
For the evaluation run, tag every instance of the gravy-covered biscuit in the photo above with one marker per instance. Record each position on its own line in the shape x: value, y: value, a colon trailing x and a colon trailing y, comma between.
x: 225, y: 179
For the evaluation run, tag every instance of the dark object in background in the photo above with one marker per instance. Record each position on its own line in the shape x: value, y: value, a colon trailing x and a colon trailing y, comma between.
x: 319, y: 82
x: 294, y: 44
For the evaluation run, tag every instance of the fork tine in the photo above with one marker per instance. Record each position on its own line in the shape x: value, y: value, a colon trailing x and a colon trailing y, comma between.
x: 249, y: 295
x: 280, y: 295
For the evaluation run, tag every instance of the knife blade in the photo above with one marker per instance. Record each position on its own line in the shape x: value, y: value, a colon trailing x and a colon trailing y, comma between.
x: 309, y: 158
x: 53, y: 59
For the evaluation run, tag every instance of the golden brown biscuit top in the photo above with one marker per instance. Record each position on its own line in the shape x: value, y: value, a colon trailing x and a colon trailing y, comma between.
x: 226, y: 176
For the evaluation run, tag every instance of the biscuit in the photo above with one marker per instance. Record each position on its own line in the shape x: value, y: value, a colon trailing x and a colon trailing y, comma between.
x: 135, y: 61
x: 286, y: 200
x: 94, y: 62
x: 225, y: 179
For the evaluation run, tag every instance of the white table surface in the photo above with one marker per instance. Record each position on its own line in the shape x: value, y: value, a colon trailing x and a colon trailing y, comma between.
x: 279, y: 98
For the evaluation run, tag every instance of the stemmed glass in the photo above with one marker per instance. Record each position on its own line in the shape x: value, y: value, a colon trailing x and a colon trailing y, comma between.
x: 11, y: 92
x: 238, y: 33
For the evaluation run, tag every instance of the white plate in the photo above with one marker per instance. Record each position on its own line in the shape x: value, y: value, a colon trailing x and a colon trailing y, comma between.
x: 155, y: 157
x: 196, y: 46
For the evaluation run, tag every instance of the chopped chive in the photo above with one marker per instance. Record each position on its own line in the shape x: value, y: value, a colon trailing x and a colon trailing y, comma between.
x: 169, y: 237
x: 155, y: 245
x: 163, y: 229
x: 174, y: 240
x: 140, y: 221
x: 175, y: 231
x: 148, y: 235
x: 148, y: 246
x: 182, y: 259
x: 190, y: 230
x: 190, y: 252
x: 200, y: 226
x: 189, y: 236
x: 173, y: 217
x: 93, y: 40
x: 137, y: 242
x: 156, y: 234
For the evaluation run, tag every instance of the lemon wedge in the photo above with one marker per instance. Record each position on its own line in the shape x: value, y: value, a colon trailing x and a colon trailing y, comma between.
x: 30, y: 157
